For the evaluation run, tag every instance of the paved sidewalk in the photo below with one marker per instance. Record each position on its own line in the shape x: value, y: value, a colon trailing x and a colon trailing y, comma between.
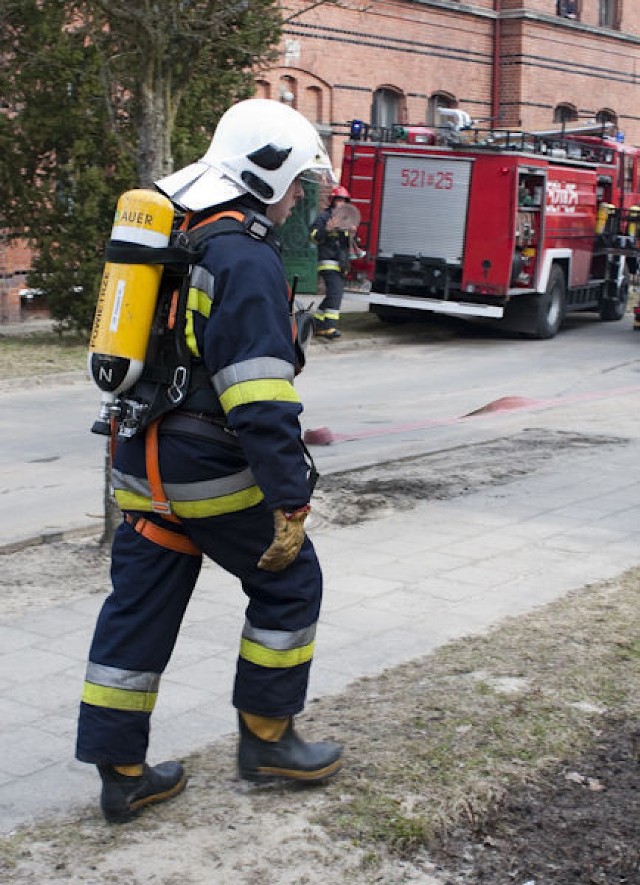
x: 397, y: 587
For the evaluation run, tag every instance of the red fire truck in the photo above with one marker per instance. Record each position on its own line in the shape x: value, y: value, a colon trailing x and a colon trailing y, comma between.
x: 515, y: 227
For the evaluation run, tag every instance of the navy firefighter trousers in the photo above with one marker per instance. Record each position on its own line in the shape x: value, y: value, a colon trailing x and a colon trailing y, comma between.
x: 139, y: 623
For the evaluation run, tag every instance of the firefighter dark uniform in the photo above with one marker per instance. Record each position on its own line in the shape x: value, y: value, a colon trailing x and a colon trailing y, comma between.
x: 333, y: 261
x: 228, y: 459
x: 224, y: 475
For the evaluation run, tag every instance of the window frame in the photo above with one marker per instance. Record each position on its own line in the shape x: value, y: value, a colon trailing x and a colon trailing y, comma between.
x: 610, y: 14
x: 569, y: 9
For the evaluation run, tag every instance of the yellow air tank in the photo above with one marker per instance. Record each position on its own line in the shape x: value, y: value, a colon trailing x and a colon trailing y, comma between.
x: 605, y: 210
x: 128, y: 295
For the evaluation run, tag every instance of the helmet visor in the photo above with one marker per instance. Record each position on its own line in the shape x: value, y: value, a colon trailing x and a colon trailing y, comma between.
x: 319, y: 176
x: 319, y: 168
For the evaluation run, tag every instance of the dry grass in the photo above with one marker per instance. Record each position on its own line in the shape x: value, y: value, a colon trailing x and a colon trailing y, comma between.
x: 40, y: 353
x: 438, y: 742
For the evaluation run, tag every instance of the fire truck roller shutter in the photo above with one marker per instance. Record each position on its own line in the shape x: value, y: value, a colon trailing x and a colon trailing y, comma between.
x: 424, y: 207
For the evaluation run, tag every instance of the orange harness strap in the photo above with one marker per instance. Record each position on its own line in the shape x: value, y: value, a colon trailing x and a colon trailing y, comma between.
x: 163, y: 537
x: 231, y: 213
x: 160, y: 502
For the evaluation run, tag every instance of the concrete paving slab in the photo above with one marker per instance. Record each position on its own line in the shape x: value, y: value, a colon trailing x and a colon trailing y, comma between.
x: 396, y: 587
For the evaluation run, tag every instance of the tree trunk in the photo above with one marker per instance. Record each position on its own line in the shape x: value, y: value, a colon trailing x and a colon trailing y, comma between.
x: 157, y: 115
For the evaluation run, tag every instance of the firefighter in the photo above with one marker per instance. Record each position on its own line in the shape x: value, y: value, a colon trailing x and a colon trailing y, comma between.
x: 232, y: 466
x: 333, y: 261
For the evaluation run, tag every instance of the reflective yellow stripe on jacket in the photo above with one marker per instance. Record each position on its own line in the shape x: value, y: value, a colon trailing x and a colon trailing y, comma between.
x: 199, y: 300
x: 255, y: 380
x: 277, y: 648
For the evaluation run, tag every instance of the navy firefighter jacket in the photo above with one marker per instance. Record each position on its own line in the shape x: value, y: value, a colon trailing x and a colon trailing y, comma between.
x: 239, y: 326
x: 333, y: 245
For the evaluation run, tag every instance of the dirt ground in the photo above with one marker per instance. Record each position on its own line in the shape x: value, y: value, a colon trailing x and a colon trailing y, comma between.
x: 578, y: 822
x: 507, y: 759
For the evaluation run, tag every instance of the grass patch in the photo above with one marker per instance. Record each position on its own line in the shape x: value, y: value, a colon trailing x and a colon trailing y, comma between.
x: 444, y: 739
x: 42, y: 353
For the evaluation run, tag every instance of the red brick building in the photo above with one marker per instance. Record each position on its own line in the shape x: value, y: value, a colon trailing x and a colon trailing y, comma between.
x: 526, y: 64
x: 15, y: 259
x: 529, y: 64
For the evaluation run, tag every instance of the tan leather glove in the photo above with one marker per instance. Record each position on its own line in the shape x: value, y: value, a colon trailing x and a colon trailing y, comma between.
x: 288, y: 537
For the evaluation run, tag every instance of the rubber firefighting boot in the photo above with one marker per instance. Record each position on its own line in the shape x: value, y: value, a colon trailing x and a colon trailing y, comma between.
x: 325, y: 328
x: 329, y: 333
x: 127, y: 789
x: 270, y: 749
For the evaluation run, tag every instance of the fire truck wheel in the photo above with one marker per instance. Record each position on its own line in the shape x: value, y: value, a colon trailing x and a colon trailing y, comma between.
x: 550, y: 313
x: 614, y: 309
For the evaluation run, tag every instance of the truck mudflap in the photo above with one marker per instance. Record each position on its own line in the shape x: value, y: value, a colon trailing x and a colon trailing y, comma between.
x: 434, y: 305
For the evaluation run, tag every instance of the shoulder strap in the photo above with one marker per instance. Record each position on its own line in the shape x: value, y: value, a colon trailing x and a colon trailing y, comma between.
x: 230, y: 213
x: 178, y: 255
x: 231, y: 221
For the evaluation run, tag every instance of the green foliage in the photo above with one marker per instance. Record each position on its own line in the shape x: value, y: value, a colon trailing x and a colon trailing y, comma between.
x: 172, y: 68
x: 226, y: 71
x: 103, y: 94
x: 65, y: 168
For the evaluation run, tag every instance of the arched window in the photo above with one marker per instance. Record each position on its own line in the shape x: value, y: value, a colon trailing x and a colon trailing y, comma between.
x: 263, y: 89
x: 288, y: 90
x: 606, y: 115
x: 438, y: 100
x: 314, y: 104
x: 565, y: 113
x: 386, y: 108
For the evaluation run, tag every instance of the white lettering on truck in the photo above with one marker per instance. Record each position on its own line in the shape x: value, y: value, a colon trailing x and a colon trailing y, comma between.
x: 562, y: 196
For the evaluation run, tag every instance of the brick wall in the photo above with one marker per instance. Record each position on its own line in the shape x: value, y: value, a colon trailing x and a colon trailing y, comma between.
x: 424, y: 47
x: 15, y: 260
x: 414, y: 49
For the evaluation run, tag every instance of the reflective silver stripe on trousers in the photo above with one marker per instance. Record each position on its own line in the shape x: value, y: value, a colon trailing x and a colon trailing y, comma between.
x: 279, y: 640
x: 113, y: 677
x: 252, y: 370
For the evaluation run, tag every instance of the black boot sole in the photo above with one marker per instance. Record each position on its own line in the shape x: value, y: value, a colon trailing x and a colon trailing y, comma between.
x: 267, y: 774
x: 123, y: 817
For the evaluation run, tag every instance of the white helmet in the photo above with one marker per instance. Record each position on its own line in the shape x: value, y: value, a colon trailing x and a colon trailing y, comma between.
x: 259, y: 147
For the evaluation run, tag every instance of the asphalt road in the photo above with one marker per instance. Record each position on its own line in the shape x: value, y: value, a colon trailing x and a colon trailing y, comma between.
x: 383, y: 402
x: 398, y: 394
